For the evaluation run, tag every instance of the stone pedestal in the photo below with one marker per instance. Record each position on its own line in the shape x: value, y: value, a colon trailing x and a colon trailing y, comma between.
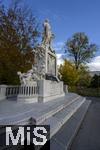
x: 49, y: 90
x: 45, y: 61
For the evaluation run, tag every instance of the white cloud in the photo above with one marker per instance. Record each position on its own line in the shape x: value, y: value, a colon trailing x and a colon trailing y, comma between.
x: 59, y: 59
x: 58, y: 47
x: 95, y: 64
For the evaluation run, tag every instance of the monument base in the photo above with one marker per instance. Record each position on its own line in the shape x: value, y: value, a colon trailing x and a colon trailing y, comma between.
x: 41, y: 91
x: 49, y: 98
x: 24, y: 99
x: 49, y: 90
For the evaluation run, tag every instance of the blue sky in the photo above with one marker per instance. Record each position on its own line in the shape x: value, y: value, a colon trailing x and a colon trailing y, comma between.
x: 68, y: 17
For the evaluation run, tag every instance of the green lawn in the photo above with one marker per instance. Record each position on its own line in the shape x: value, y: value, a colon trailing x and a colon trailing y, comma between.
x: 95, y: 92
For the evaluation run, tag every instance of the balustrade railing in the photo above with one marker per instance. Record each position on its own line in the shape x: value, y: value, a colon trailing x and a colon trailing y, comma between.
x: 12, y: 91
x: 28, y: 90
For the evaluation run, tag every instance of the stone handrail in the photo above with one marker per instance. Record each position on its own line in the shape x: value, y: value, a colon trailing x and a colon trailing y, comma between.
x: 12, y: 91
x: 8, y: 91
x: 28, y: 90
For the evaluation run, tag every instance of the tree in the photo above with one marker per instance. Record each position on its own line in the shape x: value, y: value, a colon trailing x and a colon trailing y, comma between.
x: 79, y: 48
x: 69, y: 73
x: 95, y: 81
x: 18, y: 27
x: 18, y: 36
x: 73, y: 77
x: 84, y: 76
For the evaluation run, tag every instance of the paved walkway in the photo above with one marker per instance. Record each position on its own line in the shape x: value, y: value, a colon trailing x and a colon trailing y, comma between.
x: 88, y: 137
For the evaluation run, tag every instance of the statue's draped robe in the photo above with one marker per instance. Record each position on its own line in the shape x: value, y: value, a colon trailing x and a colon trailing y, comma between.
x: 47, y: 34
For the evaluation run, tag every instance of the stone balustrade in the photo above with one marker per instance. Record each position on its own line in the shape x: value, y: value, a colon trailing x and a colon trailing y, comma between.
x: 14, y: 91
x: 28, y: 93
x: 28, y: 90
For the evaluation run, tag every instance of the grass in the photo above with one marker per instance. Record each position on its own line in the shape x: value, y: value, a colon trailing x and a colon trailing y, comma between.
x: 93, y: 92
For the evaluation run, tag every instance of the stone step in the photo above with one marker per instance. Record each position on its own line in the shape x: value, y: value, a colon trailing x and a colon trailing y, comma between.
x: 66, y: 103
x: 63, y: 123
x: 57, y: 120
x: 49, y: 112
x: 62, y: 140
x: 40, y: 112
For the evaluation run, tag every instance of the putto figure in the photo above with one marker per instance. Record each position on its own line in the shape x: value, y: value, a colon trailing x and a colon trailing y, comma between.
x: 47, y: 34
x: 25, y: 78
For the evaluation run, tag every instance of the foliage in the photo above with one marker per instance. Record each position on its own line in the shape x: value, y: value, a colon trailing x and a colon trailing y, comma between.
x: 84, y: 76
x: 93, y: 92
x: 18, y: 36
x: 95, y: 81
x: 79, y: 48
x: 69, y: 73
x: 71, y: 76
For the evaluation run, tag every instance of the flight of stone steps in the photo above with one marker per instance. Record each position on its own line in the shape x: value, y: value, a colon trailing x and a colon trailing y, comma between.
x: 64, y: 115
x: 63, y: 139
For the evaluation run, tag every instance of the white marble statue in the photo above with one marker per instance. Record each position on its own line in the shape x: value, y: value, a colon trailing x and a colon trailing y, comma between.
x: 47, y: 34
x: 39, y: 69
x: 30, y: 76
x: 25, y: 78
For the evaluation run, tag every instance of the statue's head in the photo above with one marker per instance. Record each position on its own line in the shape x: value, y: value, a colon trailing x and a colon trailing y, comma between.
x: 47, y: 20
x: 19, y: 73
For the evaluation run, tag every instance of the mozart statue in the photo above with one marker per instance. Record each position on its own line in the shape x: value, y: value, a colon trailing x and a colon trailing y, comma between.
x: 47, y: 34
